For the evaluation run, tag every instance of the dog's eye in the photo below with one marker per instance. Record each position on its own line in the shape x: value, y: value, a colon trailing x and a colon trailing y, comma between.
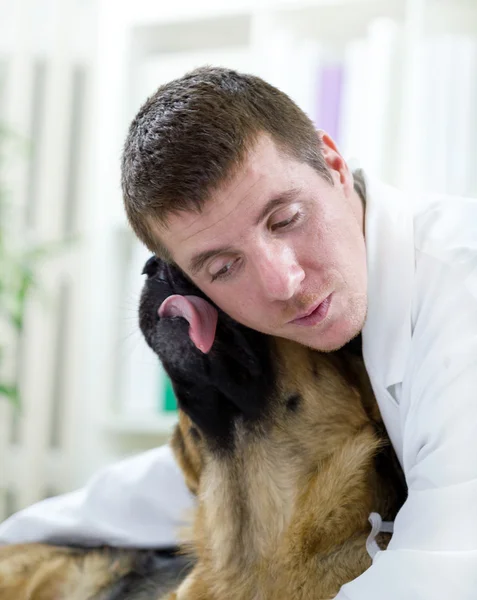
x: 151, y: 266
x: 293, y: 402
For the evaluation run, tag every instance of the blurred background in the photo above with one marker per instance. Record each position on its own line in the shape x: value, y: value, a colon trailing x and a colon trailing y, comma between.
x: 393, y: 81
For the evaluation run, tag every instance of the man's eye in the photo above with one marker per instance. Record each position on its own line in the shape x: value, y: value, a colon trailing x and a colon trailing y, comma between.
x: 224, y: 271
x: 286, y: 222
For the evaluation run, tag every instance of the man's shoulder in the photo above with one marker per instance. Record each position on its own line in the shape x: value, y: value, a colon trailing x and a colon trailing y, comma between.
x: 445, y: 227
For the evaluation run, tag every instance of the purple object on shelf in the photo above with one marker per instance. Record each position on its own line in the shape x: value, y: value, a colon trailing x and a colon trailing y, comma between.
x: 331, y: 80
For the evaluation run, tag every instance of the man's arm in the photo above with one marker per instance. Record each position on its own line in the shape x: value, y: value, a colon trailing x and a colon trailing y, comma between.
x: 433, y: 553
x: 139, y: 502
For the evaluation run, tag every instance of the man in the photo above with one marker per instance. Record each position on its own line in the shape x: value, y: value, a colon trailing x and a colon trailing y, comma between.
x: 225, y: 176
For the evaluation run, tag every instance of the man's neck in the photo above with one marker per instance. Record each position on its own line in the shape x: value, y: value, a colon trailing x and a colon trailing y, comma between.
x: 360, y: 195
x: 360, y: 184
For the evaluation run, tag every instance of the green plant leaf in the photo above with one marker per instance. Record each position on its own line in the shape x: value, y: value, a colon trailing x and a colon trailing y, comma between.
x: 20, y: 257
x: 10, y: 392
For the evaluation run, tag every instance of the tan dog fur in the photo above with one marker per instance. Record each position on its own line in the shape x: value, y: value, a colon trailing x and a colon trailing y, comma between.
x: 282, y: 516
x: 44, y: 572
x: 286, y: 514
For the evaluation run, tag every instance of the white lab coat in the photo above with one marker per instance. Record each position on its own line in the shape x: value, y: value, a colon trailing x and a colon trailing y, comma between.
x: 420, y: 348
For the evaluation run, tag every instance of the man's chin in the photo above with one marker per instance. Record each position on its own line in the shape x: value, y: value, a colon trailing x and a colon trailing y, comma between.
x: 336, y: 346
x: 327, y: 348
x: 332, y: 340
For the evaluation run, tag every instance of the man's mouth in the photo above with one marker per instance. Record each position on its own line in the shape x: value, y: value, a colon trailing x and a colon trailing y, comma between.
x: 314, y: 314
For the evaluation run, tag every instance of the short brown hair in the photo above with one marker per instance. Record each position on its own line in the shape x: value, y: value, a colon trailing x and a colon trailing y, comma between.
x: 194, y: 133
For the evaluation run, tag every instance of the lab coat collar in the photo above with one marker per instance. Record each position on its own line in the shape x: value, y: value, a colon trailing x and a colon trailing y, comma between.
x: 389, y: 235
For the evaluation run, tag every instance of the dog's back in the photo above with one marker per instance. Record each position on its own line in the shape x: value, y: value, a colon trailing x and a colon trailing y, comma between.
x: 48, y: 572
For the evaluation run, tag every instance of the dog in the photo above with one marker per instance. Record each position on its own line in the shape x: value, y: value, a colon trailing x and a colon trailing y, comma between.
x: 48, y: 572
x: 284, y: 448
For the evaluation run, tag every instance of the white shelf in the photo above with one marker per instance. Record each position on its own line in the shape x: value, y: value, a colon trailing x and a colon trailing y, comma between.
x: 334, y: 20
x: 460, y: 16
x: 145, y: 12
x: 134, y: 425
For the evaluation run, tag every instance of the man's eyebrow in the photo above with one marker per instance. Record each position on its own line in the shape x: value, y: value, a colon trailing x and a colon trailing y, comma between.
x: 198, y: 261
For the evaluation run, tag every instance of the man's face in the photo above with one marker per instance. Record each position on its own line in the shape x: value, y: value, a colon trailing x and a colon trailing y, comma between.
x: 276, y: 242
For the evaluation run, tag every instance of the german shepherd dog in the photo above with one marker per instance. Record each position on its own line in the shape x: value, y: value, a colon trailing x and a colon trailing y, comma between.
x: 284, y: 448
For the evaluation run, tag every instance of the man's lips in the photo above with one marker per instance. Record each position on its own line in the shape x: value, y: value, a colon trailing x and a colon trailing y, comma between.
x: 314, y: 314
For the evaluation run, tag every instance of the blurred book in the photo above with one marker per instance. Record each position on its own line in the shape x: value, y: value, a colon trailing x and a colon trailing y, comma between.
x: 353, y: 106
x: 462, y: 134
x: 437, y: 111
x: 369, y: 114
x: 448, y: 114
x: 329, y: 101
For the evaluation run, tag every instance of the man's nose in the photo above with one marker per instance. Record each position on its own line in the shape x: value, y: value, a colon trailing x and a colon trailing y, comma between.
x: 279, y: 272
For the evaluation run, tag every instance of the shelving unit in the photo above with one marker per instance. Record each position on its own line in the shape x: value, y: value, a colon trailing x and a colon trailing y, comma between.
x: 141, y: 44
x: 149, y: 44
x: 150, y: 425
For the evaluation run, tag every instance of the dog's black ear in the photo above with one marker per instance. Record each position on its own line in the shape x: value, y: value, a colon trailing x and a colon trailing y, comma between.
x: 171, y: 279
x: 151, y: 266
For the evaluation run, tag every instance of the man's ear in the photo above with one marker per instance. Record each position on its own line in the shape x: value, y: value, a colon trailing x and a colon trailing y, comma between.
x: 339, y: 170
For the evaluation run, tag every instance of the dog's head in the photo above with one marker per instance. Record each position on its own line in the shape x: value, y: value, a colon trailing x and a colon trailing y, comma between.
x: 230, y: 378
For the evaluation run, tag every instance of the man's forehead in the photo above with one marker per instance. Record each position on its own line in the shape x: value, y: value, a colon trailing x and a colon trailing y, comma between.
x: 233, y: 204
x: 238, y: 202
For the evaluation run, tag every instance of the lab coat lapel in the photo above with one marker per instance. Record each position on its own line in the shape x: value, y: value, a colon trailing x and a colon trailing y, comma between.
x: 389, y: 234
